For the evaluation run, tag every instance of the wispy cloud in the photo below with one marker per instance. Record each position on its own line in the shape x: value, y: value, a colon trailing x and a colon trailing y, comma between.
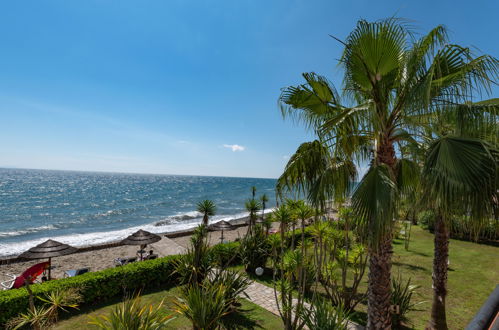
x: 286, y: 157
x: 234, y: 147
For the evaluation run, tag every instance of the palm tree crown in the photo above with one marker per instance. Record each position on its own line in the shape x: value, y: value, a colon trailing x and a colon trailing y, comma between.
x: 207, y: 208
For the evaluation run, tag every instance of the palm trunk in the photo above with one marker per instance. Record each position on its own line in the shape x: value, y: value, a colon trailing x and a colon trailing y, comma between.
x: 379, y: 291
x: 438, y: 319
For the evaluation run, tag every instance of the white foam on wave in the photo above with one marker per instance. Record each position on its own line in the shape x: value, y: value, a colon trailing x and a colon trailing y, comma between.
x: 26, y: 231
x: 86, y: 239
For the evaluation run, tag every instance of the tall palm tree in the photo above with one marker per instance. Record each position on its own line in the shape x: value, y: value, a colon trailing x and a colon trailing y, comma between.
x: 461, y: 178
x: 392, y: 85
x: 207, y: 208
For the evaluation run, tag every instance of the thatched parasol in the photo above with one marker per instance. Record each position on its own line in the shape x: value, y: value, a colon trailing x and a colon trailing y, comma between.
x: 222, y: 225
x: 141, y: 238
x: 48, y: 249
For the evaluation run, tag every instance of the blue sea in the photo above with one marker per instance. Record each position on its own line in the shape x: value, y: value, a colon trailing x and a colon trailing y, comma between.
x: 84, y: 208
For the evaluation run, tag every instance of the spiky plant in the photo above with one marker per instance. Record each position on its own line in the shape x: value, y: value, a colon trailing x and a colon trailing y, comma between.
x: 207, y: 208
x: 131, y: 314
x: 203, y: 305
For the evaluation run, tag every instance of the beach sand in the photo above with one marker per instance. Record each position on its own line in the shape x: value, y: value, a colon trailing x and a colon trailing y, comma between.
x: 100, y: 259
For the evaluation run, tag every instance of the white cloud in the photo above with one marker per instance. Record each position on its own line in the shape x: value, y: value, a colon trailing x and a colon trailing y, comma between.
x: 285, y: 157
x: 234, y: 147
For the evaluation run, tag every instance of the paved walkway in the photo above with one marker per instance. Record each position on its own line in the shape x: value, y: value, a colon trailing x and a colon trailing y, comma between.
x: 264, y: 296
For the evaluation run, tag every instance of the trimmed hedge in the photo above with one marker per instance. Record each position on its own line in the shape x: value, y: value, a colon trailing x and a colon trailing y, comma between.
x: 96, y: 286
x: 224, y: 253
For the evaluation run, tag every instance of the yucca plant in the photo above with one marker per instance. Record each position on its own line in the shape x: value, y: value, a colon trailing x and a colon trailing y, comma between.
x: 252, y: 206
x: 194, y: 266
x: 203, y: 305
x: 35, y: 318
x: 48, y: 314
x: 131, y: 314
x: 402, y: 294
x: 61, y: 300
x: 234, y: 285
x: 255, y: 249
x: 207, y: 208
x: 323, y: 315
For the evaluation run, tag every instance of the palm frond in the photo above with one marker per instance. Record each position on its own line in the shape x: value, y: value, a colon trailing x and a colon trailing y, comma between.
x: 374, y: 202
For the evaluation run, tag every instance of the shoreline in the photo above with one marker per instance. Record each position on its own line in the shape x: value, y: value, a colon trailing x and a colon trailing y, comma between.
x: 237, y: 222
x: 102, y: 256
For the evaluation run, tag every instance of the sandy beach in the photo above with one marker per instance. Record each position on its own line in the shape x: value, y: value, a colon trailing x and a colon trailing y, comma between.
x: 100, y: 259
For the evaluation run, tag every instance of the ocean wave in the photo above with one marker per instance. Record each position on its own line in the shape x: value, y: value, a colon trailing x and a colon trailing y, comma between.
x: 179, y: 218
x: 86, y: 239
x: 26, y: 231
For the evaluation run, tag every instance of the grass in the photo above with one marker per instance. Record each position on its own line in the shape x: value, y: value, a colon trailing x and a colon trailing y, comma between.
x: 255, y: 318
x: 473, y: 275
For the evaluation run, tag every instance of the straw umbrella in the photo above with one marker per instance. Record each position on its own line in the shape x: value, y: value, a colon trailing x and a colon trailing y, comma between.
x: 141, y: 238
x: 48, y: 249
x: 222, y: 225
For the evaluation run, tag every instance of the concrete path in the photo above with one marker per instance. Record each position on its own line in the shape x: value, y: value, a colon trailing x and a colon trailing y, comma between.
x: 264, y: 297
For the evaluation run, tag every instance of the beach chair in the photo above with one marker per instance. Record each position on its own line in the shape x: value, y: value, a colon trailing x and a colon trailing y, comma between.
x: 76, y: 272
x: 123, y: 261
x: 30, y: 275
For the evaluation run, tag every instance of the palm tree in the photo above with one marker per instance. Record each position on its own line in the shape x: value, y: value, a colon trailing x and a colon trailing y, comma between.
x: 207, y: 208
x: 252, y: 206
x: 253, y: 192
x: 393, y: 84
x: 263, y: 199
x: 460, y: 178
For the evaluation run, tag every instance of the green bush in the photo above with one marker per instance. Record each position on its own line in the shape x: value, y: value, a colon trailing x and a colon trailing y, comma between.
x: 226, y: 254
x: 95, y: 286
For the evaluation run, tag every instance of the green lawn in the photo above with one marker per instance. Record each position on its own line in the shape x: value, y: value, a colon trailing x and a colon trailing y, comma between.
x: 473, y: 275
x: 255, y: 318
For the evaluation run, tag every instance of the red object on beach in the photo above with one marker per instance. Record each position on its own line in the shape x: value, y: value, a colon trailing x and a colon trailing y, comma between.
x: 30, y: 274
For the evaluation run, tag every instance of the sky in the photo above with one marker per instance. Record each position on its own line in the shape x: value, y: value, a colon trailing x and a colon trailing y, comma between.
x: 180, y: 86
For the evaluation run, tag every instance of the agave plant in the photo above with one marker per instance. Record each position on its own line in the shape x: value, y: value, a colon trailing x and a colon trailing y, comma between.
x: 131, y: 314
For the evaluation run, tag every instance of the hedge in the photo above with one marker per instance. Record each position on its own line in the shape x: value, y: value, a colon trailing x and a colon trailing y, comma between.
x: 96, y: 286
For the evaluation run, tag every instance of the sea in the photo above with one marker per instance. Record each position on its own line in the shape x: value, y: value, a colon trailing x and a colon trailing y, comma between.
x: 87, y: 208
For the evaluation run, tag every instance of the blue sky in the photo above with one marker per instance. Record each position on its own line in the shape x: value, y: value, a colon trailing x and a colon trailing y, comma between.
x: 180, y: 87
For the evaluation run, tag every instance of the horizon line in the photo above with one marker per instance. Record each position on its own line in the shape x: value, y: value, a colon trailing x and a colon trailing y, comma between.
x: 137, y: 173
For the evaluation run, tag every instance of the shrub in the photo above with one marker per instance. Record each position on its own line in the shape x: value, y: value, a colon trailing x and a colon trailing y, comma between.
x: 402, y: 293
x: 131, y: 314
x: 203, y: 305
x: 226, y: 254
x: 323, y: 315
x: 255, y: 249
x: 95, y: 286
